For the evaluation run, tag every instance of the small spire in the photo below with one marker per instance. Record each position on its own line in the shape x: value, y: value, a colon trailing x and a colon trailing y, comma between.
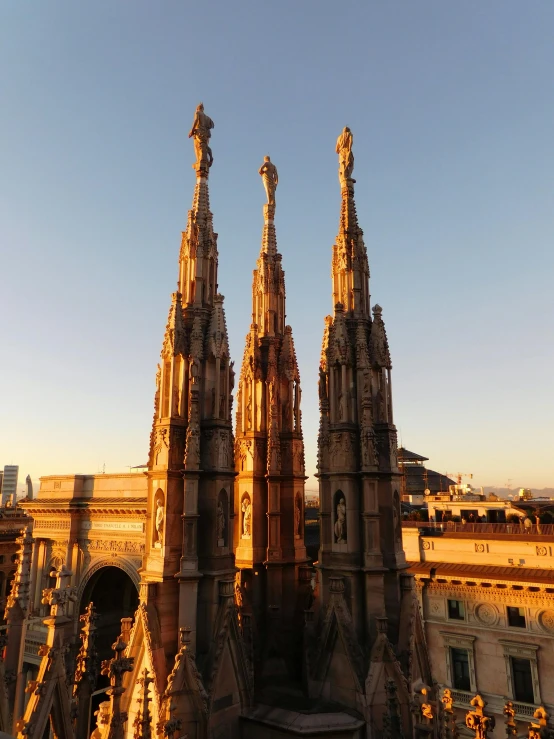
x: 350, y: 270
x: 198, y: 256
x: 115, y: 669
x: 143, y: 721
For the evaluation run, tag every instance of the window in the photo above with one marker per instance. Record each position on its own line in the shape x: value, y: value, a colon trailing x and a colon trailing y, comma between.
x: 522, y: 671
x: 523, y: 680
x: 456, y: 610
x: 1, y: 559
x: 460, y: 669
x: 516, y: 617
x: 460, y: 660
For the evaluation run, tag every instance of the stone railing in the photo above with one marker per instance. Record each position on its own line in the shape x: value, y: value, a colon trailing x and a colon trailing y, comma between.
x: 498, y: 529
x: 524, y: 711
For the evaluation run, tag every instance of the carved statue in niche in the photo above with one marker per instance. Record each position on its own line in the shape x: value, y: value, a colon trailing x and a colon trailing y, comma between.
x: 342, y: 406
x: 246, y: 517
x: 337, y: 453
x: 213, y: 401
x: 192, y: 448
x: 160, y: 443
x: 159, y: 523
x: 220, y: 524
x: 297, y: 459
x: 194, y: 371
x: 297, y: 516
x: 222, y: 413
x: 200, y: 130
x: 382, y: 417
x: 222, y: 451
x: 175, y: 401
x: 158, y: 377
x: 249, y: 413
x: 369, y: 453
x: 340, y: 521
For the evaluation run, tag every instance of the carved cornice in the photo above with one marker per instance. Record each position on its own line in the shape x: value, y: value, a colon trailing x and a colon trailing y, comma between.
x: 498, y: 595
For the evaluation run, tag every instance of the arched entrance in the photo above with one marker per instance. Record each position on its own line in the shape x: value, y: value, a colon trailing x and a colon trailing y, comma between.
x: 115, y: 596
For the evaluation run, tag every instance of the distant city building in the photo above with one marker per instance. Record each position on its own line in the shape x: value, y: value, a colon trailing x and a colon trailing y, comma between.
x: 417, y: 480
x: 467, y: 504
x: 29, y: 484
x: 525, y: 494
x: 9, y: 484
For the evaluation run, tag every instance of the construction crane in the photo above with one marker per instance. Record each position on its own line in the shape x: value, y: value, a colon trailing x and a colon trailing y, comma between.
x: 459, y: 475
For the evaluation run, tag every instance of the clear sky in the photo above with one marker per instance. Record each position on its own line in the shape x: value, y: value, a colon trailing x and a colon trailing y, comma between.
x: 452, y: 109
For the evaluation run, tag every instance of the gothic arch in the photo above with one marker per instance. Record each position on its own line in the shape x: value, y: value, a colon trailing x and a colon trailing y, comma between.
x: 99, y: 564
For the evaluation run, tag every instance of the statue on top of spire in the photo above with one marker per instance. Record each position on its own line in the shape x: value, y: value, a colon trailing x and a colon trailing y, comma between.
x: 346, y: 158
x: 270, y: 179
x: 200, y: 129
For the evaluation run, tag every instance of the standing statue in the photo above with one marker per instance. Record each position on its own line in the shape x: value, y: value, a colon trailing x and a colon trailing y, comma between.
x: 159, y: 521
x: 270, y: 179
x: 322, y: 384
x: 246, y: 517
x: 340, y: 523
x: 346, y: 158
x: 200, y: 130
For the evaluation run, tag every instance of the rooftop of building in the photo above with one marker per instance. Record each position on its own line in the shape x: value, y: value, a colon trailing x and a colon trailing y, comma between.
x: 520, y: 576
x: 405, y: 455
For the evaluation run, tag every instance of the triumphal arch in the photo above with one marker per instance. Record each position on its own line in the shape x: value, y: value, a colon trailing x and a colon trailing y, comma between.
x: 94, y: 525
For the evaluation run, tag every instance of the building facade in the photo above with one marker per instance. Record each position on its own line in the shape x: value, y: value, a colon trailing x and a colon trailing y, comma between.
x: 487, y: 599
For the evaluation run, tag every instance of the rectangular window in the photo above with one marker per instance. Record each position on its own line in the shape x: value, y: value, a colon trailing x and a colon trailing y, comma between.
x: 456, y: 610
x: 460, y: 669
x: 1, y: 559
x: 516, y: 617
x: 523, y: 680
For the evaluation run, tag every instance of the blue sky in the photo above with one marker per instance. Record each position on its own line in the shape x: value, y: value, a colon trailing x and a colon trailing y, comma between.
x: 453, y: 117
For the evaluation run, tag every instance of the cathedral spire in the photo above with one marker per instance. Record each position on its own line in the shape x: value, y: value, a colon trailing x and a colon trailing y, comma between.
x: 189, y: 527
x: 350, y: 270
x: 268, y: 288
x: 357, y: 464
x: 269, y: 489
